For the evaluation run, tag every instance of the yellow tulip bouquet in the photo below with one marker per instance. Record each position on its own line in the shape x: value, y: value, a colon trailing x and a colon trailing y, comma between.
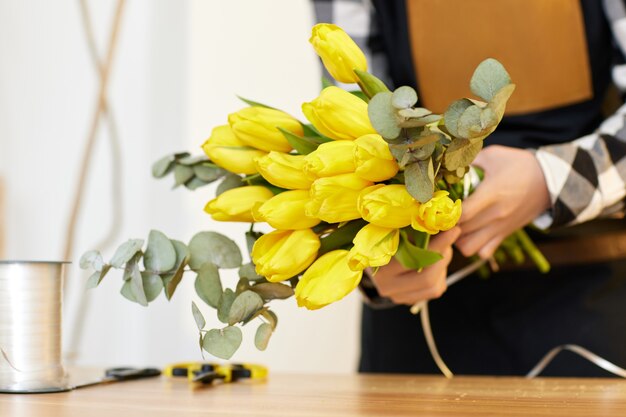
x: 371, y: 177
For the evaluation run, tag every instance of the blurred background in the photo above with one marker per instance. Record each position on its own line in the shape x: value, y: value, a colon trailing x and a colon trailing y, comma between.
x: 177, y: 69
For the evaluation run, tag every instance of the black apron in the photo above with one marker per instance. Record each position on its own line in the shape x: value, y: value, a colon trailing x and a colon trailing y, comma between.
x: 505, y: 324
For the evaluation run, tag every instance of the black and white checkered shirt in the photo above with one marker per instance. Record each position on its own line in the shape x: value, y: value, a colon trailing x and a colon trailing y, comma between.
x: 586, y: 178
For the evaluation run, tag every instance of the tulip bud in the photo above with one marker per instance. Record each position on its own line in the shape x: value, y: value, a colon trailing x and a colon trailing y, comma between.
x: 284, y: 170
x: 439, y: 213
x: 283, y: 254
x: 225, y: 150
x: 340, y: 55
x: 373, y: 246
x: 338, y: 114
x: 334, y: 199
x: 285, y: 211
x: 328, y: 280
x: 387, y: 205
x: 258, y: 127
x: 236, y: 205
x: 374, y: 162
x: 329, y: 159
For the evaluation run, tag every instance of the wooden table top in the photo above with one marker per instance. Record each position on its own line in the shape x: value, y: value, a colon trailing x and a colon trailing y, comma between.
x: 332, y: 395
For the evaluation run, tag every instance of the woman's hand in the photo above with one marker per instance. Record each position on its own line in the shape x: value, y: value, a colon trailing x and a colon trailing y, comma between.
x: 407, y: 286
x: 513, y: 194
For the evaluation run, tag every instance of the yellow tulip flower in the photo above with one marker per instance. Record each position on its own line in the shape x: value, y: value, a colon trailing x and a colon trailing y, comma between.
x: 331, y: 158
x: 285, y: 211
x: 284, y: 170
x: 373, y: 246
x: 236, y: 205
x: 328, y: 280
x: 338, y: 114
x: 340, y: 55
x: 334, y: 199
x: 373, y: 160
x: 283, y: 254
x: 387, y: 205
x: 258, y: 127
x: 225, y: 150
x: 439, y: 213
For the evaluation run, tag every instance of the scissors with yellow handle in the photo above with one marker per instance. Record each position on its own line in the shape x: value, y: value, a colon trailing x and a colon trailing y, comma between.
x: 206, y: 372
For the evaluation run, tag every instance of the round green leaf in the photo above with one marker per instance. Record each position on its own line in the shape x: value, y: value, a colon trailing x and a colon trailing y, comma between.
x: 208, y: 173
x: 229, y: 182
x: 222, y: 343
x: 195, y: 183
x: 262, y: 336
x: 182, y: 174
x: 248, y: 272
x: 125, y: 252
x: 163, y: 166
x: 245, y: 305
x: 489, y: 78
x: 383, y: 116
x: 160, y: 254
x: 208, y: 285
x: 453, y: 114
x: 404, y: 97
x: 197, y: 316
x: 223, y: 307
x: 214, y: 248
x: 152, y: 285
x: 91, y: 259
x: 136, y: 288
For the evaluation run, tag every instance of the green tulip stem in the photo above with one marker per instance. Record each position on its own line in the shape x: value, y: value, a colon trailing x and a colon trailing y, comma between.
x: 535, y: 254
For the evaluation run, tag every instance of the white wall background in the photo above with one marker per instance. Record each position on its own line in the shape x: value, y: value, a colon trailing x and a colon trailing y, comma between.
x: 178, y: 67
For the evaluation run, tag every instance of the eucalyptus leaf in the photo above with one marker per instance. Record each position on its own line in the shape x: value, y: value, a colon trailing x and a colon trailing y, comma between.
x: 248, y: 272
x: 195, y: 183
x: 262, y: 336
x: 125, y: 252
x: 242, y: 285
x: 222, y: 343
x: 152, y: 285
x: 223, y: 307
x: 91, y: 259
x: 404, y: 97
x: 251, y: 238
x: 192, y: 160
x: 272, y: 291
x: 326, y: 82
x: 197, y: 316
x: 182, y: 174
x: 489, y: 78
x: 131, y: 266
x: 453, y: 114
x: 171, y: 281
x: 229, y: 182
x: 214, y: 248
x: 370, y: 84
x: 95, y: 278
x: 419, y: 177
x: 382, y: 115
x: 461, y: 153
x: 127, y: 292
x: 208, y: 173
x: 136, y: 288
x: 163, y: 166
x: 208, y: 284
x: 160, y: 255
x: 245, y: 305
x: 417, y: 113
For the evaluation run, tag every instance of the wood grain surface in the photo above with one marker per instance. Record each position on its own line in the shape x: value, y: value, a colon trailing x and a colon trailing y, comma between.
x: 329, y: 395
